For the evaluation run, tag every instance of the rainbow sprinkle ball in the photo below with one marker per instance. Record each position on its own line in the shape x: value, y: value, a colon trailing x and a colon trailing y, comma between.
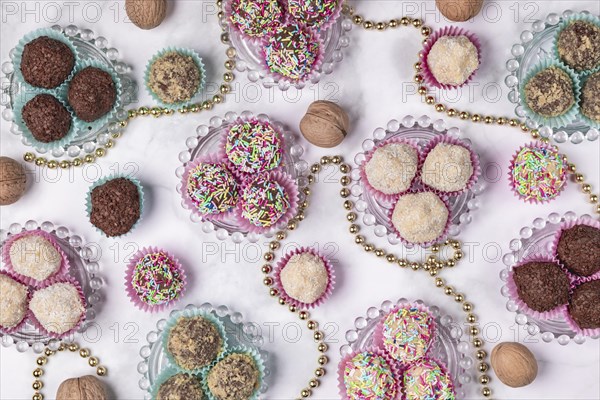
x: 211, y: 188
x: 253, y: 146
x: 369, y: 376
x: 157, y: 279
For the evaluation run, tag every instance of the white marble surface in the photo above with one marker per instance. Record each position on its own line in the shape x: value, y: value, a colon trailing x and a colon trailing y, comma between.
x: 372, y: 84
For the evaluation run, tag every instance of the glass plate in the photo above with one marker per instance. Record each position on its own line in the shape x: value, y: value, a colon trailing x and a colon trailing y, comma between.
x: 83, y: 259
x: 208, y: 140
x: 537, y: 239
x: 238, y: 333
x: 534, y: 45
x: 423, y: 130
x: 90, y: 47
x: 447, y: 348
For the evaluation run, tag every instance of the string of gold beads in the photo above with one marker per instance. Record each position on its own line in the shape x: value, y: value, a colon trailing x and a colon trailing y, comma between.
x: 42, y: 360
x: 367, y: 24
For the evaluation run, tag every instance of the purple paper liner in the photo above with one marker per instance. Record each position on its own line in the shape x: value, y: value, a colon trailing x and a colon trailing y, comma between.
x: 513, y: 293
x: 440, y: 364
x: 378, y: 338
x: 64, y: 264
x: 330, y: 283
x: 289, y: 186
x: 567, y: 225
x: 212, y: 158
x: 424, y: 244
x: 428, y: 76
x: 132, y: 294
x: 18, y: 326
x: 254, y: 40
x: 531, y: 200
x: 377, y: 194
x: 456, y: 142
x: 572, y: 324
x: 38, y: 324
x: 329, y: 22
x: 394, y: 368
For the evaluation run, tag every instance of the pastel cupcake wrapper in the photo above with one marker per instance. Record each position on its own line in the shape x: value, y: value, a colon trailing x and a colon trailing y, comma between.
x: 132, y: 294
x: 594, y: 223
x: 532, y: 200
x: 378, y: 337
x: 102, y: 181
x: 587, y: 120
x: 564, y: 23
x: 63, y: 270
x: 258, y: 361
x: 377, y: 194
x: 212, y: 158
x: 164, y: 375
x: 289, y: 186
x: 253, y: 40
x: 290, y: 300
x: 197, y: 60
x: 53, y: 34
x: 426, y: 73
x: 456, y: 142
x: 513, y: 293
x: 424, y: 244
x: 38, y: 324
x: 571, y: 322
x: 26, y: 315
x: 442, y: 366
x: 553, y: 122
x: 394, y: 368
x: 329, y: 22
x: 191, y: 313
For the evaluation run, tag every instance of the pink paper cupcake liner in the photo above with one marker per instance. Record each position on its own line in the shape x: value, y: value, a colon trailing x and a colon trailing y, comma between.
x: 567, y: 225
x: 289, y: 186
x: 396, y: 371
x: 64, y: 263
x: 378, y: 337
x: 254, y: 40
x: 212, y: 158
x: 572, y: 324
x: 18, y: 326
x: 456, y: 142
x: 377, y: 194
x: 38, y: 324
x: 532, y: 200
x: 446, y: 31
x: 513, y: 293
x: 330, y: 284
x: 443, y: 368
x: 424, y: 244
x: 132, y: 294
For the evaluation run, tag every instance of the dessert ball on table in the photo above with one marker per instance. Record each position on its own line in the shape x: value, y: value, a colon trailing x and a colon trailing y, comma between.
x: 550, y: 92
x: 211, y: 188
x: 13, y: 302
x: 115, y: 206
x: 46, y: 62
x: 59, y: 307
x: 194, y: 342
x: 578, y: 249
x: 92, y: 93
x: 407, y: 333
x: 256, y: 18
x: 181, y: 386
x: 453, y: 59
x: 235, y: 377
x: 420, y: 218
x: 392, y: 168
x: 305, y: 277
x: 254, y: 146
x: 264, y: 202
x: 369, y: 376
x: 35, y: 257
x: 447, y: 168
x: 578, y: 45
x: 542, y: 286
x: 46, y: 118
x: 313, y: 12
x: 590, y: 97
x: 175, y: 77
x: 584, y: 306
x: 426, y: 379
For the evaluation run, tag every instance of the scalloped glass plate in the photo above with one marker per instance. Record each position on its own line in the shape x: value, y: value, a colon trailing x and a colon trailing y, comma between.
x: 535, y: 44
x: 83, y: 259
x: 448, y: 347
x: 423, y: 130
x: 90, y: 47
x: 208, y: 140
x: 537, y: 239
x: 239, y: 333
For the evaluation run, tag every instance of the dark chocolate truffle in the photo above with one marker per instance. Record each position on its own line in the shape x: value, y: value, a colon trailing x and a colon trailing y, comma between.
x: 550, y: 92
x: 115, y: 206
x: 46, y: 62
x: 181, y: 387
x: 194, y: 342
x: 46, y: 118
x: 235, y: 377
x: 543, y: 286
x: 92, y: 93
x: 584, y: 306
x: 579, y: 249
x: 590, y: 97
x: 579, y: 45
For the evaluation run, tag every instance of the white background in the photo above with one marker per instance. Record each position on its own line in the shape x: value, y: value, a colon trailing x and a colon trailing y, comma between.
x: 377, y: 69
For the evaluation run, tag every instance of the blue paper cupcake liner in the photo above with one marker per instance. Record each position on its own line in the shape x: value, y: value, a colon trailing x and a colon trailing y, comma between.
x: 561, y: 120
x: 102, y: 181
x: 191, y: 313
x: 187, y: 52
x: 587, y: 120
x: 164, y: 376
x: 53, y: 34
x: 21, y: 100
x: 565, y: 22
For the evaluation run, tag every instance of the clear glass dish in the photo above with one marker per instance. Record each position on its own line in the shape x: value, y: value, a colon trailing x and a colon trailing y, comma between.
x: 208, y: 140
x: 447, y: 347
x: 238, y: 333
x: 537, y: 239
x: 534, y: 45
x: 90, y: 47
x: 423, y: 130
x: 83, y: 258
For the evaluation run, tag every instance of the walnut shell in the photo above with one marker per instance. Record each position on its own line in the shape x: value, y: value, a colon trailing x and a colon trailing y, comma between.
x: 325, y: 124
x: 514, y: 364
x: 459, y: 10
x: 84, y: 388
x: 146, y: 14
x: 12, y: 181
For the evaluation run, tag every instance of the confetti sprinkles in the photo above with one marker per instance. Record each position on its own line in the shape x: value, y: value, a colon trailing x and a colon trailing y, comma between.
x: 407, y: 333
x: 368, y: 376
x: 264, y: 202
x: 256, y: 18
x: 254, y: 146
x: 292, y: 51
x: 157, y: 279
x: 427, y: 380
x: 538, y: 173
x: 212, y: 188
x: 312, y: 12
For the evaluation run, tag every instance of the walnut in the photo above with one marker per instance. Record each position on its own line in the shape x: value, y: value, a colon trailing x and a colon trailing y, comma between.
x: 84, y: 388
x: 325, y: 124
x: 514, y: 364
